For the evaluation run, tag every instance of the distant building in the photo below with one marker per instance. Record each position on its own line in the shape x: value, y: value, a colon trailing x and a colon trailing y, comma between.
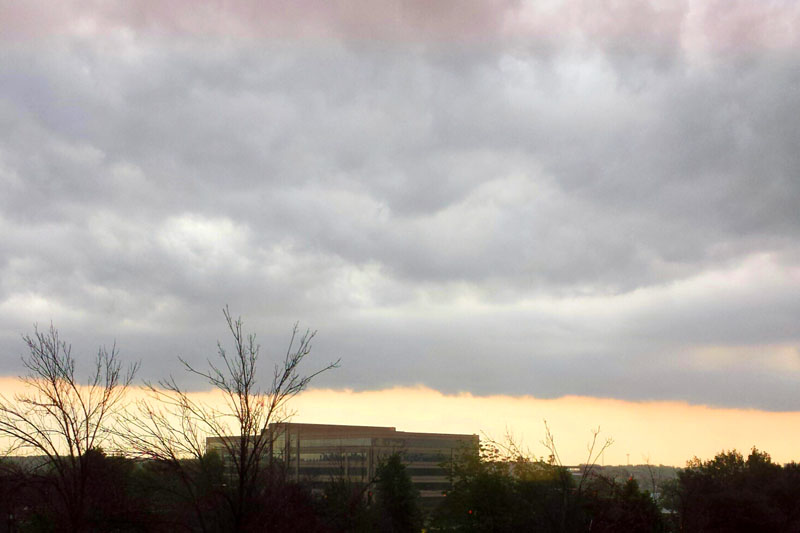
x: 319, y: 453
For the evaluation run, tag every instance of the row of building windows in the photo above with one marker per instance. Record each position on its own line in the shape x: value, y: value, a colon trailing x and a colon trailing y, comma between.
x: 332, y: 456
x: 325, y: 443
x: 439, y: 445
x: 415, y: 471
x: 340, y: 470
x: 314, y: 471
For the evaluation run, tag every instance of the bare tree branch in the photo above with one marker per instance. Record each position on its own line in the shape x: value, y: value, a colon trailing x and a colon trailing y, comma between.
x: 172, y: 426
x: 60, y: 418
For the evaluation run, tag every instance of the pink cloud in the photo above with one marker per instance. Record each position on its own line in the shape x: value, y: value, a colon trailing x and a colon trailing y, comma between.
x: 631, y: 22
x: 355, y: 19
x: 730, y: 25
x: 715, y: 25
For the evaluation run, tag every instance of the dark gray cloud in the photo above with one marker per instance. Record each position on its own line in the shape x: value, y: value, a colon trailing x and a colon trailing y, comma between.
x: 549, y: 200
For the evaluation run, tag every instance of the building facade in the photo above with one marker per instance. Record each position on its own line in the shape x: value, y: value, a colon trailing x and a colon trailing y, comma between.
x: 319, y: 453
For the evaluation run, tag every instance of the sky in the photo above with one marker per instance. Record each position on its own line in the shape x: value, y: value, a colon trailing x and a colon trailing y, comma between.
x: 544, y: 200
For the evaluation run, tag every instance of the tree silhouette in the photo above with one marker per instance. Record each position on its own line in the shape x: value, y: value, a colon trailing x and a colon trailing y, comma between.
x: 171, y: 426
x: 734, y: 493
x: 397, y: 500
x: 63, y: 419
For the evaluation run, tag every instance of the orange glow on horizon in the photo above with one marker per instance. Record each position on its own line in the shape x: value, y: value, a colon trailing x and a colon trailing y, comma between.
x: 663, y: 432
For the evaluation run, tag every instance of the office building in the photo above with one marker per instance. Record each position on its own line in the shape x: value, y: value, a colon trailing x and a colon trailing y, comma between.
x: 319, y: 453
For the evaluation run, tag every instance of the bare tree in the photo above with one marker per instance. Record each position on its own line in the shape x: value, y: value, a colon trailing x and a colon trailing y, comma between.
x: 594, y: 448
x: 526, y: 466
x: 172, y: 426
x: 61, y: 418
x: 511, y: 450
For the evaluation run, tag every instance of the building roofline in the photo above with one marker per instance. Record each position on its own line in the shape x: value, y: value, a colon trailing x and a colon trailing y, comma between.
x: 387, y: 430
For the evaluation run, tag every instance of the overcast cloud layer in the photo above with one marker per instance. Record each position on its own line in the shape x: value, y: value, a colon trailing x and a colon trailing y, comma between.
x: 552, y: 198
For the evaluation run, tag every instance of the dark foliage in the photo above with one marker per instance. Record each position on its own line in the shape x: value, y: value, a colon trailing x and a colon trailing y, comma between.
x: 732, y: 493
x: 729, y: 493
x: 496, y: 495
x: 344, y: 507
x: 397, y: 501
x: 501, y: 495
x: 621, y: 507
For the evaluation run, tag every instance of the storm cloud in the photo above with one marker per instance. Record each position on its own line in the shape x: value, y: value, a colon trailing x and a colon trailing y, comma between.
x: 546, y: 198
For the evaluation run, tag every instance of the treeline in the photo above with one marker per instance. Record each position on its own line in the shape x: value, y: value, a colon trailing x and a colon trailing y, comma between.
x: 128, y: 495
x: 735, y: 493
x: 730, y: 493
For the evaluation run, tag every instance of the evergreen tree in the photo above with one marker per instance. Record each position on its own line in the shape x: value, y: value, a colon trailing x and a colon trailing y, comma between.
x: 397, y: 498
